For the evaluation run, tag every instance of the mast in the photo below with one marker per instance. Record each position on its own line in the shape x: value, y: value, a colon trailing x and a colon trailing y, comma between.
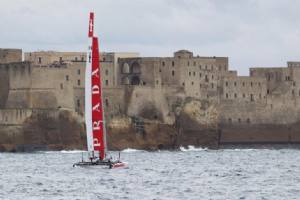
x: 93, y: 97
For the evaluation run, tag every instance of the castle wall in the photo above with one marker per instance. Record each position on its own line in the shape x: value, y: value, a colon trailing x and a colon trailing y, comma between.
x: 48, y: 57
x: 244, y: 90
x: 14, y: 117
x: 4, y: 86
x: 36, y: 87
x: 10, y: 55
x: 55, y: 83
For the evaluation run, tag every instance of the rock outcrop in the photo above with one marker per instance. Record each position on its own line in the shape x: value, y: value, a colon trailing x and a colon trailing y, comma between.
x: 44, y: 130
x: 194, y: 124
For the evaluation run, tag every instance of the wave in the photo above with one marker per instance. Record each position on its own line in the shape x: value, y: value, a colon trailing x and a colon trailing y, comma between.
x: 129, y: 150
x: 72, y: 151
x: 192, y: 148
x: 62, y: 151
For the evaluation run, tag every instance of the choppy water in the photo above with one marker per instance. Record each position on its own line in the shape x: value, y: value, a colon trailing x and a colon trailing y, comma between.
x: 195, y: 174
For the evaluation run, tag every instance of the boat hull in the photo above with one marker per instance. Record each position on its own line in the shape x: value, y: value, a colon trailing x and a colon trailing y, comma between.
x: 108, y: 164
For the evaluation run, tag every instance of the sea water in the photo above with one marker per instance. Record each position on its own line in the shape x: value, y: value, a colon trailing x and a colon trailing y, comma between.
x: 184, y: 174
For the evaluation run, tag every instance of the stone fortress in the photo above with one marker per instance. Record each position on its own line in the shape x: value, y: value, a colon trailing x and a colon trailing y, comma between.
x: 151, y: 102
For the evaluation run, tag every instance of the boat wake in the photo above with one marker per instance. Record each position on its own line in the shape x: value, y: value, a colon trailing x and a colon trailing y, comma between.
x: 191, y: 148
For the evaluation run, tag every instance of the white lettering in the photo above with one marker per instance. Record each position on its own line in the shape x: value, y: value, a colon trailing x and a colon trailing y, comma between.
x: 96, y: 125
x: 91, y: 26
x: 95, y: 72
x: 96, y: 143
x: 95, y: 89
x: 97, y: 107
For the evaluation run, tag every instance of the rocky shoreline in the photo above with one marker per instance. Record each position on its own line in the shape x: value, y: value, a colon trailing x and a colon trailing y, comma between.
x: 64, y: 130
x: 195, y: 123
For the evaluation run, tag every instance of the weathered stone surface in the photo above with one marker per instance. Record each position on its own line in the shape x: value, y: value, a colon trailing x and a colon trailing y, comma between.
x: 52, y: 130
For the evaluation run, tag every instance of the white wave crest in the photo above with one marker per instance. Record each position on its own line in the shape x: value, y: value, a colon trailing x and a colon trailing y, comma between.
x: 128, y: 150
x: 192, y: 148
x: 72, y: 151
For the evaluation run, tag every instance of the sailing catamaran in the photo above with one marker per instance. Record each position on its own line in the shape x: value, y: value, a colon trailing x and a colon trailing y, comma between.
x: 94, y: 112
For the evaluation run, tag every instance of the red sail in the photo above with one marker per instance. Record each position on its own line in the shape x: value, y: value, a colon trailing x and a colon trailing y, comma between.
x: 97, y: 107
x: 91, y: 25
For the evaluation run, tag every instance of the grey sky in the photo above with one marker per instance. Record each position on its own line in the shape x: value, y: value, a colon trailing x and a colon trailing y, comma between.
x: 250, y: 32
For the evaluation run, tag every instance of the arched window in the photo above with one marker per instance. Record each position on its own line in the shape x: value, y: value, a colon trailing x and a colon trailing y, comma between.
x: 136, y: 68
x: 126, y: 69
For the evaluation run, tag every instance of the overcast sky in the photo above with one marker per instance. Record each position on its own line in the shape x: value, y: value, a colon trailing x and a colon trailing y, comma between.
x: 252, y: 33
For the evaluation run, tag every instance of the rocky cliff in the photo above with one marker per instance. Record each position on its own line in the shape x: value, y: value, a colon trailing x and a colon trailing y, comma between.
x: 195, y: 123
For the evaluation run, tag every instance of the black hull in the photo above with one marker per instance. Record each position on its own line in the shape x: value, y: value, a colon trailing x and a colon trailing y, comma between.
x: 104, y: 163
